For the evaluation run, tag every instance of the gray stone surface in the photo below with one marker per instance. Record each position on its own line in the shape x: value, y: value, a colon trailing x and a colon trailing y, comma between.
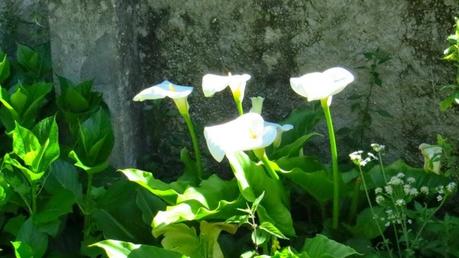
x: 274, y: 40
x: 23, y: 21
x: 92, y: 40
x: 127, y: 45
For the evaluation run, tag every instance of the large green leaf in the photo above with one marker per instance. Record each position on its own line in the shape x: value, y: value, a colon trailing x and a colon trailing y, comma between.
x: 4, y: 67
x: 274, y: 207
x: 366, y: 226
x: 63, y: 175
x: 120, y: 249
x: 375, y: 178
x: 116, y: 214
x: 95, y: 143
x: 214, y: 198
x: 318, y: 184
x: 26, y: 145
x: 22, y: 250
x: 23, y: 104
x: 27, y: 57
x: 165, y: 191
x: 322, y: 247
x: 292, y: 149
x: 48, y: 135
x: 36, y: 240
x: 183, y: 239
x: 303, y: 119
x: 57, y: 205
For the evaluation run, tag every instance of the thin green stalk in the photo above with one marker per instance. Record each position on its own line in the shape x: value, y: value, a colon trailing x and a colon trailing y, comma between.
x: 194, y: 140
x: 240, y: 109
x: 266, y: 161
x: 373, y: 213
x: 397, y: 241
x: 355, y: 200
x: 86, y: 213
x: 34, y: 198
x: 334, y: 155
x: 427, y: 219
x: 381, y: 165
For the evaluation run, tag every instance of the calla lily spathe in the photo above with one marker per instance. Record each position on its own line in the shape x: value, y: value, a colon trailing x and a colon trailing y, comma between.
x: 319, y: 86
x: 432, y: 157
x: 162, y: 90
x: 178, y: 93
x: 247, y: 132
x: 212, y: 83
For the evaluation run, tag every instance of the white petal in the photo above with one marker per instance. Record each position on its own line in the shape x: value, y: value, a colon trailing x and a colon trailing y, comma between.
x: 247, y: 132
x: 162, y: 90
x: 212, y: 83
x: 212, y: 134
x: 237, y: 84
x: 339, y: 77
x: 317, y: 86
x: 313, y: 86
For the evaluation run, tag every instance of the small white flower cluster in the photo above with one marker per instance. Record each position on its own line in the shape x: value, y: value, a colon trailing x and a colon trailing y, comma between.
x: 358, y: 160
x: 378, y: 147
x: 442, y: 190
x: 399, y: 191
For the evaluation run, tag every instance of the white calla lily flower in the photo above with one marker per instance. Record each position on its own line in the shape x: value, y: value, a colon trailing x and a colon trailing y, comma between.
x: 162, y: 90
x: 212, y: 83
x: 178, y: 93
x: 320, y: 86
x: 432, y: 157
x: 247, y: 132
x: 257, y: 104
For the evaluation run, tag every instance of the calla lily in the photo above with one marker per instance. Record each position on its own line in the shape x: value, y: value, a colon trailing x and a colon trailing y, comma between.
x: 432, y: 155
x: 257, y: 104
x: 179, y: 94
x: 320, y: 86
x: 212, y: 83
x: 247, y: 132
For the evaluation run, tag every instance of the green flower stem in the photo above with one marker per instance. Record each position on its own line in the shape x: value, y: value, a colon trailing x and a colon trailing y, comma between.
x: 261, y: 155
x: 355, y: 200
x: 373, y: 212
x: 428, y: 219
x: 194, y: 140
x: 334, y: 153
x: 238, y: 102
x: 34, y: 198
x: 87, y: 212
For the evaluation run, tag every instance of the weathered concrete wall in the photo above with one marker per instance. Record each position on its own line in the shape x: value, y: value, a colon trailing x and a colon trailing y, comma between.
x: 23, y: 21
x: 274, y: 40
x: 128, y: 46
x: 94, y: 40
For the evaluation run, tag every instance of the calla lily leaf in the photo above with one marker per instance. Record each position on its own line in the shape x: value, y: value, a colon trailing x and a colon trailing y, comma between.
x: 214, y: 198
x: 192, y: 245
x: 121, y: 249
x: 253, y: 181
x: 167, y: 192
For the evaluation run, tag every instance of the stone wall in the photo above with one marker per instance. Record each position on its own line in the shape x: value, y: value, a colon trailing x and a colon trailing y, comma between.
x: 23, y: 21
x: 274, y: 40
x: 128, y: 45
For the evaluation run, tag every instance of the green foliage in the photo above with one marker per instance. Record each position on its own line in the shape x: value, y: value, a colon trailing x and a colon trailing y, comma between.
x: 361, y: 101
x: 94, y: 143
x: 120, y: 249
x: 451, y: 54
